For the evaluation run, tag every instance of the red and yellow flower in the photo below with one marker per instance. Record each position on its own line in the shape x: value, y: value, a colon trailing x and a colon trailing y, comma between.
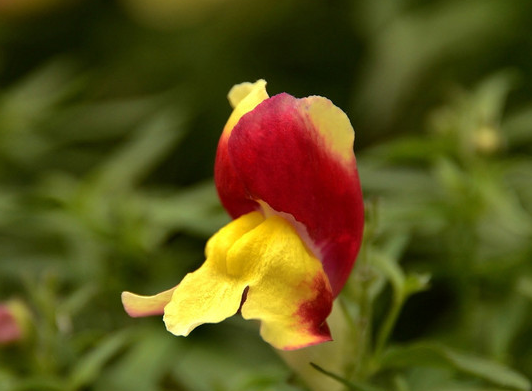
x: 286, y: 173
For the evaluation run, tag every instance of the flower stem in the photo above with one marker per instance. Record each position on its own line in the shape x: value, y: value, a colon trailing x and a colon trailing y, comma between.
x: 386, y: 329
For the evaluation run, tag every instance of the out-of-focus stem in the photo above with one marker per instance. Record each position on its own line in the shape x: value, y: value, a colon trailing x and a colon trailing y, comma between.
x: 388, y: 325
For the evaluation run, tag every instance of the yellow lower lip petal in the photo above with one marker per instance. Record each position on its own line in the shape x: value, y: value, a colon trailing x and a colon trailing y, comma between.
x: 210, y: 294
x: 256, y: 264
x: 288, y: 290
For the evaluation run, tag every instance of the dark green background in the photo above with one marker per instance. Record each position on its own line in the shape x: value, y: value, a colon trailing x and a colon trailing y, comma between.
x: 108, y: 128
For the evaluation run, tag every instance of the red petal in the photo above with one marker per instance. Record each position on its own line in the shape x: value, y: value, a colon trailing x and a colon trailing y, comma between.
x: 283, y: 153
x: 230, y: 188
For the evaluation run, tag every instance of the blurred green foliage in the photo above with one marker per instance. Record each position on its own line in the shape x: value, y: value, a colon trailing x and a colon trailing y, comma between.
x: 109, y: 118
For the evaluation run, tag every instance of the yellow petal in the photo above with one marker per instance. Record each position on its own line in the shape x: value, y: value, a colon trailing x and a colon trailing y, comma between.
x: 137, y: 306
x: 333, y: 124
x: 288, y: 289
x: 256, y: 92
x: 218, y: 245
x: 205, y: 296
x: 243, y: 98
x: 210, y: 294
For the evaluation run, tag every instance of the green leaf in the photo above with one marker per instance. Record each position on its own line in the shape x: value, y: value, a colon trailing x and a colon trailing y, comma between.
x: 431, y: 354
x: 89, y: 367
x: 41, y: 383
x: 232, y: 358
x: 150, y: 143
x: 195, y: 209
x: 143, y: 365
x: 415, y: 283
x: 393, y: 272
x: 489, y: 370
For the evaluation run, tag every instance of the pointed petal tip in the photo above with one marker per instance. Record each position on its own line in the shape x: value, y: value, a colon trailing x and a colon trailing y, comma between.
x: 138, y: 306
x: 244, y: 98
x: 240, y: 91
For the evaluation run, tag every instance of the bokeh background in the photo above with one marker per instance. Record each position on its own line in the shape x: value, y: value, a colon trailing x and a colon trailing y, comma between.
x: 110, y: 112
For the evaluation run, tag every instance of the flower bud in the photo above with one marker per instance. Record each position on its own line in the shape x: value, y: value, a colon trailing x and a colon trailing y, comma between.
x: 14, y: 322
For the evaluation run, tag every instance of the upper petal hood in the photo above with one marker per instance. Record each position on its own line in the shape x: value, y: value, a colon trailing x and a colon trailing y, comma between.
x: 297, y: 156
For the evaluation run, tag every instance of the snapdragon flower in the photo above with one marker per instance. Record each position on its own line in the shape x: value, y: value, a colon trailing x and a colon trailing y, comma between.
x: 286, y: 173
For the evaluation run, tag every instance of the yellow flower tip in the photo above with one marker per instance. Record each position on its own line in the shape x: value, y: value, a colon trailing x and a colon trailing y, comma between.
x: 243, y: 98
x: 241, y: 91
x: 138, y: 306
x: 333, y: 125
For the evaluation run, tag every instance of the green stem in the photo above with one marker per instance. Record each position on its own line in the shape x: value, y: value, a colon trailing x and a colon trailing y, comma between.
x: 363, y: 321
x: 387, y: 327
x: 364, y: 335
